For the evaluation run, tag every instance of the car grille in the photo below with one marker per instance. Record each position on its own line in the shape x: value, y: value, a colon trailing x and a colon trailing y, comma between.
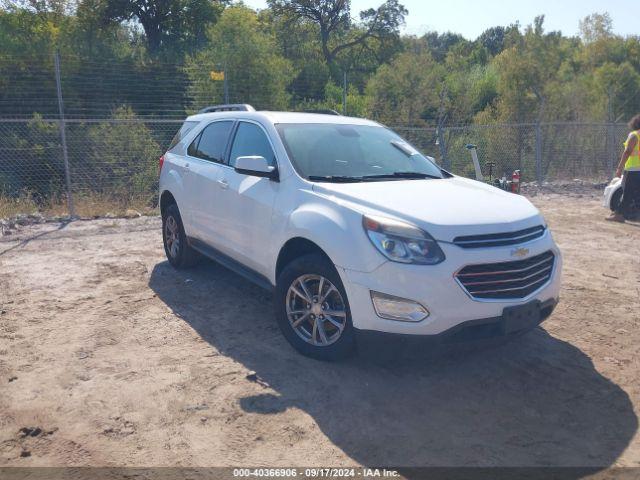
x: 500, y: 239
x: 508, y: 280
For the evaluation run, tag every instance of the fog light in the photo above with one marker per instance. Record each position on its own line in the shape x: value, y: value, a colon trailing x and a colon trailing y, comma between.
x: 399, y: 309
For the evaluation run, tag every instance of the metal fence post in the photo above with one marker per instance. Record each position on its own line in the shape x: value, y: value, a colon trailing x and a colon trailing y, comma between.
x: 611, y: 153
x: 446, y: 163
x: 344, y: 92
x: 63, y: 136
x: 225, y: 84
x: 539, y: 173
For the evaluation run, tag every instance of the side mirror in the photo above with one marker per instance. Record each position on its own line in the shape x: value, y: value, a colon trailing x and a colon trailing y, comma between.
x: 256, y: 166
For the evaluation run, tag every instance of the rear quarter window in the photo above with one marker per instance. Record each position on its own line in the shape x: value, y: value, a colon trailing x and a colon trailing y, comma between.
x: 184, y: 130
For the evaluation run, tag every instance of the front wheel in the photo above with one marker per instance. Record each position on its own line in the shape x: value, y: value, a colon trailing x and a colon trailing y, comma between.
x: 313, y: 310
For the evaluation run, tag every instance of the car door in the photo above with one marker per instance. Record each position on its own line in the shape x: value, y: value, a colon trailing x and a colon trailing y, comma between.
x: 246, y: 219
x: 205, y: 156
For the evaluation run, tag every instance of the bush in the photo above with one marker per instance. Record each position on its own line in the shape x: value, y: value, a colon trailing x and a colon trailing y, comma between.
x: 120, y: 159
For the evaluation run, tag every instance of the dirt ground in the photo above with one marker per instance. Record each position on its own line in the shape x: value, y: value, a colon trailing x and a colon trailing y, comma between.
x: 110, y: 357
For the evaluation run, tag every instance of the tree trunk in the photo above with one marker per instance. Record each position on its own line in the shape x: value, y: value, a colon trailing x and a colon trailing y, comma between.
x: 328, y: 56
x: 153, y: 33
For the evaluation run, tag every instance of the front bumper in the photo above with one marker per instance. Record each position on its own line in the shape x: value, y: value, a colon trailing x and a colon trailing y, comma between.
x: 487, y: 329
x: 436, y: 288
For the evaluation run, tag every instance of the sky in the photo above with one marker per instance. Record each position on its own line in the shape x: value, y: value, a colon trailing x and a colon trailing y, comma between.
x: 471, y: 17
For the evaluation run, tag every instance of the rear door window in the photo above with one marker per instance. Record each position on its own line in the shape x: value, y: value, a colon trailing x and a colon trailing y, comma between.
x: 184, y: 130
x: 211, y: 143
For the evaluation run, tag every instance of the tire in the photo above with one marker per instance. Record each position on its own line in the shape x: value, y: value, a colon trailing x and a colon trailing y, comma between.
x: 318, y: 335
x: 178, y: 251
x: 615, y: 200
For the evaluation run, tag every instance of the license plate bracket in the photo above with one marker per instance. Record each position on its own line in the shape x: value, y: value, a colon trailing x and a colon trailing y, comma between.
x: 521, y: 317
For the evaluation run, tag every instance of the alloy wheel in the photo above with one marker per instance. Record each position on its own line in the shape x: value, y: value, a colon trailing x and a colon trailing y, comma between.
x: 316, y: 310
x: 172, y: 236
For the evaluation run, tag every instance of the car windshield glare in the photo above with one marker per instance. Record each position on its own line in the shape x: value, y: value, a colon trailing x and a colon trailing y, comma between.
x: 335, y: 152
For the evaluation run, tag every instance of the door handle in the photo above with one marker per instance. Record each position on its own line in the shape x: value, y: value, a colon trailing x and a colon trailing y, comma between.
x: 223, y: 184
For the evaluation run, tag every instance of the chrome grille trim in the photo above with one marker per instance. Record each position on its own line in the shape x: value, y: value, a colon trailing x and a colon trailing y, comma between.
x: 469, y: 284
x: 502, y: 272
x: 509, y: 289
x: 507, y: 280
x: 500, y: 239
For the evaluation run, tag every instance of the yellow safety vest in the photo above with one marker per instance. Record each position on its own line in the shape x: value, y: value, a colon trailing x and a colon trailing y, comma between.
x: 633, y: 163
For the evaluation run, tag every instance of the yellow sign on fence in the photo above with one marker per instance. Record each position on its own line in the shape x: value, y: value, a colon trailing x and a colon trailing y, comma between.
x: 216, y: 76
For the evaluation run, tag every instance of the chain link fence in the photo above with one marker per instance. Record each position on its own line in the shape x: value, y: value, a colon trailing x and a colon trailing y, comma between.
x: 542, y: 152
x: 93, y: 146
x: 113, y: 163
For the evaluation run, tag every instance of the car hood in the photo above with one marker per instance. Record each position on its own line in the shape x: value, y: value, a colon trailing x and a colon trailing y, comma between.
x: 445, y: 208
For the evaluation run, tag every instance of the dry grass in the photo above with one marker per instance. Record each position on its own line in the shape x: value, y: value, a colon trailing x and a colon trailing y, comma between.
x: 92, y: 205
x: 86, y: 205
x: 12, y: 206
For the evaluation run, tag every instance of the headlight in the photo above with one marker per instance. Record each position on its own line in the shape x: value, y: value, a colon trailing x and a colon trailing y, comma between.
x: 402, y: 242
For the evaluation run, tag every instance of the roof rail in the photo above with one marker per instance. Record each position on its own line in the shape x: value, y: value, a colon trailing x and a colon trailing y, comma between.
x: 231, y: 107
x: 324, y: 111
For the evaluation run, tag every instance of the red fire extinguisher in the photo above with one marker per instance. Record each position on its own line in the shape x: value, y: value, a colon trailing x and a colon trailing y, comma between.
x: 515, y: 182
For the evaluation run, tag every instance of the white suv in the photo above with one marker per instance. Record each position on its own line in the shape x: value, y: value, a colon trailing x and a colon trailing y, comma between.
x: 364, y: 240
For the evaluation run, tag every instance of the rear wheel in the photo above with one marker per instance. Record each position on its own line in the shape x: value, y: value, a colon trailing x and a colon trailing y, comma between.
x: 313, y: 310
x: 179, y: 253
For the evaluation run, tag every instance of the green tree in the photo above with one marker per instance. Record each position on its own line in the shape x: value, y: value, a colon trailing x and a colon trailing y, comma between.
x: 169, y: 25
x: 525, y: 72
x: 122, y: 156
x: 333, y: 100
x: 240, y: 46
x: 297, y: 42
x: 496, y: 39
x: 596, y: 26
x: 439, y: 45
x: 338, y: 34
x: 31, y: 159
x: 618, y: 86
x: 468, y: 91
x: 29, y: 34
x: 406, y: 92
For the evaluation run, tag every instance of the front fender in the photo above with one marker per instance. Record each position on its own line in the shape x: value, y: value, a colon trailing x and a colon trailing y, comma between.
x: 338, y: 232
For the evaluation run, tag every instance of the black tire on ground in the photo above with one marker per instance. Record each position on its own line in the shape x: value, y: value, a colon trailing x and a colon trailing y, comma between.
x: 182, y: 256
x: 615, y: 200
x: 313, y: 264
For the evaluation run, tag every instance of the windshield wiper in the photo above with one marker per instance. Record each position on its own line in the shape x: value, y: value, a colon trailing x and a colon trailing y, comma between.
x: 364, y: 178
x: 334, y: 178
x: 408, y: 175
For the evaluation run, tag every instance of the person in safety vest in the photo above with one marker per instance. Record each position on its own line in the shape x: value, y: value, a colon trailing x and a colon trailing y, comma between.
x: 630, y: 163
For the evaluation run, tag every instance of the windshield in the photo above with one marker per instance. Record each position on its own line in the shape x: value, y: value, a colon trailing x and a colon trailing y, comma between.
x: 331, y: 152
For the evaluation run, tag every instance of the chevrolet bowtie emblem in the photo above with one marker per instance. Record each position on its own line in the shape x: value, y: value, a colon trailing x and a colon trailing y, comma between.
x: 520, y: 252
